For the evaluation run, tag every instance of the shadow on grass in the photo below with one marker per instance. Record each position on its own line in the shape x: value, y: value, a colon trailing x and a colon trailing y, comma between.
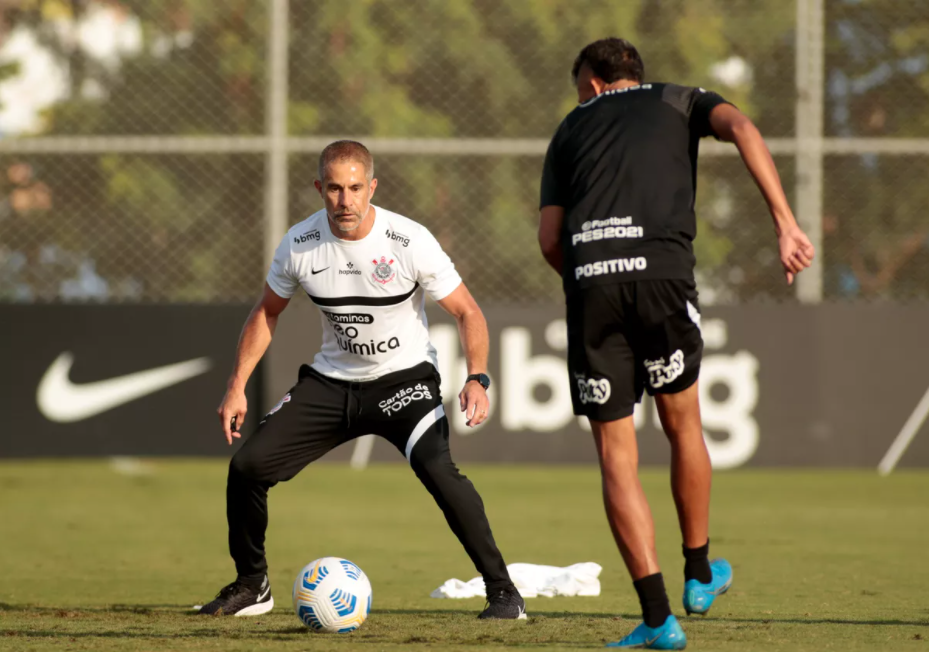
x: 140, y: 609
x: 288, y: 633
x: 684, y: 621
x: 818, y: 621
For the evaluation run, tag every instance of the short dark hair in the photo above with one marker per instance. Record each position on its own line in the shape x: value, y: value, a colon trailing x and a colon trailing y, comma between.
x: 611, y: 59
x: 346, y: 150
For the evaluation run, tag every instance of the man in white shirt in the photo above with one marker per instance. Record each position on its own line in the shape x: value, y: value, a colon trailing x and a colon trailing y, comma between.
x: 367, y: 270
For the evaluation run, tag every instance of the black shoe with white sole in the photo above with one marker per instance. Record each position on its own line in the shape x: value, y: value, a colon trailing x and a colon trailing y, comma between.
x: 239, y: 599
x: 506, y: 604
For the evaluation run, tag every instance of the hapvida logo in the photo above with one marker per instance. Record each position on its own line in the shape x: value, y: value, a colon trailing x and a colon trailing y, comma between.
x: 350, y: 269
x: 403, y: 398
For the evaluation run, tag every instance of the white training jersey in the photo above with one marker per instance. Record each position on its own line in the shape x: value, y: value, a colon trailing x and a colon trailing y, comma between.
x: 371, y: 292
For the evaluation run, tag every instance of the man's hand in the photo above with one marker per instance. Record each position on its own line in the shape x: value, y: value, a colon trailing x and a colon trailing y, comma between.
x: 474, y: 403
x: 233, y: 406
x: 253, y: 342
x: 796, y: 252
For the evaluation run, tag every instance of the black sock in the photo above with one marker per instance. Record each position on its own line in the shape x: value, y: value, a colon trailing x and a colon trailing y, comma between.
x: 697, y: 564
x: 654, y: 599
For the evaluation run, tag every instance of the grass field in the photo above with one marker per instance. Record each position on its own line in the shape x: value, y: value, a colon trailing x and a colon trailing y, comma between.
x: 97, y: 559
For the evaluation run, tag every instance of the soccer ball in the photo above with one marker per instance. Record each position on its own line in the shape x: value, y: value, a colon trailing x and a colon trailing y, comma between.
x: 332, y: 595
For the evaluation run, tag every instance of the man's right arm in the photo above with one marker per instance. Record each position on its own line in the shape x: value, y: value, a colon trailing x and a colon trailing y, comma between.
x: 732, y: 126
x: 551, y: 207
x: 550, y: 219
x: 253, y: 342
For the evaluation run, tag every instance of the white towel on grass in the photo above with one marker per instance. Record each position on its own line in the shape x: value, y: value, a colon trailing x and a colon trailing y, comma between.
x: 533, y: 580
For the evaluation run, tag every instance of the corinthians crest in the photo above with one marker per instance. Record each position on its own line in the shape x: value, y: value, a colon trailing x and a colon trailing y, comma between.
x: 383, y: 272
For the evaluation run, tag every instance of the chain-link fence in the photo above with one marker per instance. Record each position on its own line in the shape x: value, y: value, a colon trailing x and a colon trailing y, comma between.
x: 142, y: 157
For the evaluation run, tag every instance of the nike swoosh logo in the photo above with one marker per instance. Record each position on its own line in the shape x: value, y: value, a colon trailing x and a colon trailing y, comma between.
x: 62, y: 401
x: 264, y: 595
x: 317, y: 271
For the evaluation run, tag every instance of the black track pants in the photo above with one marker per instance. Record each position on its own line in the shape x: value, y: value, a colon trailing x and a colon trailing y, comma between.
x: 320, y: 413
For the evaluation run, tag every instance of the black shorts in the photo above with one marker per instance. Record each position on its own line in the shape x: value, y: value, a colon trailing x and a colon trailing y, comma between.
x: 626, y: 337
x: 320, y: 413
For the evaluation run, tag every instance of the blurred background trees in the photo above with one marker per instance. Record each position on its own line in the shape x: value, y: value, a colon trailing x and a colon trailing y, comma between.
x: 188, y: 226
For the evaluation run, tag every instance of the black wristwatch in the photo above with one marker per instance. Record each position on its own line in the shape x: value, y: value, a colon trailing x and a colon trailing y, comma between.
x: 483, y: 379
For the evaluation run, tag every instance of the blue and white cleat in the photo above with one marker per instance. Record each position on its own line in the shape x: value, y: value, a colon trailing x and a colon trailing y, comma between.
x: 698, y: 598
x: 669, y: 636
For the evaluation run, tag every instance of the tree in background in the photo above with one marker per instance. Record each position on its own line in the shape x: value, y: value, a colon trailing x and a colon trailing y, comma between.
x: 188, y: 227
x: 151, y: 227
x: 877, y: 62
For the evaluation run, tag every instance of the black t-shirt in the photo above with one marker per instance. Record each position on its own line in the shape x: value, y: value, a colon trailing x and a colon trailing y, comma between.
x: 624, y: 167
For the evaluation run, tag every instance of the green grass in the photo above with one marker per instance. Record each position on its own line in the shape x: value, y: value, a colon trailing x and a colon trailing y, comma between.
x: 93, y: 559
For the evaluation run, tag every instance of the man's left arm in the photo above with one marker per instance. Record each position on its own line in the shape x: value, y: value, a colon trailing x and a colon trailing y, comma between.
x: 732, y: 126
x: 475, y: 340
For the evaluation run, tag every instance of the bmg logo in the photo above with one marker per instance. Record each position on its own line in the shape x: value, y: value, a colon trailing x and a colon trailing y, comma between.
x: 398, y: 237
x: 306, y: 237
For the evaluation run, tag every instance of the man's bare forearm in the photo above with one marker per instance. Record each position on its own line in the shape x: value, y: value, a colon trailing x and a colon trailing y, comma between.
x: 554, y: 258
x: 551, y: 220
x: 253, y: 342
x: 761, y: 166
x: 472, y: 329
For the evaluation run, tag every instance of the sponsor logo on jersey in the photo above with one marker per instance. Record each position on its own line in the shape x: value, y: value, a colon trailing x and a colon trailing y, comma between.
x: 613, y: 221
x: 593, y: 390
x: 349, y: 317
x: 346, y: 336
x: 608, y: 233
x: 383, y: 272
x: 403, y: 398
x: 613, y: 266
x: 614, y: 227
x: 398, y: 237
x: 306, y: 237
x: 661, y: 374
x: 350, y: 270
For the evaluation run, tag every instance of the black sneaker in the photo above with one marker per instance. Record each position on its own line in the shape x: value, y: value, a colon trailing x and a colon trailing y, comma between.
x: 505, y: 603
x: 239, y: 599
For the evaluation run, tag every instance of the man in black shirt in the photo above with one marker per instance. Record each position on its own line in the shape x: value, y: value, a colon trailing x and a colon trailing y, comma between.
x: 617, y: 222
